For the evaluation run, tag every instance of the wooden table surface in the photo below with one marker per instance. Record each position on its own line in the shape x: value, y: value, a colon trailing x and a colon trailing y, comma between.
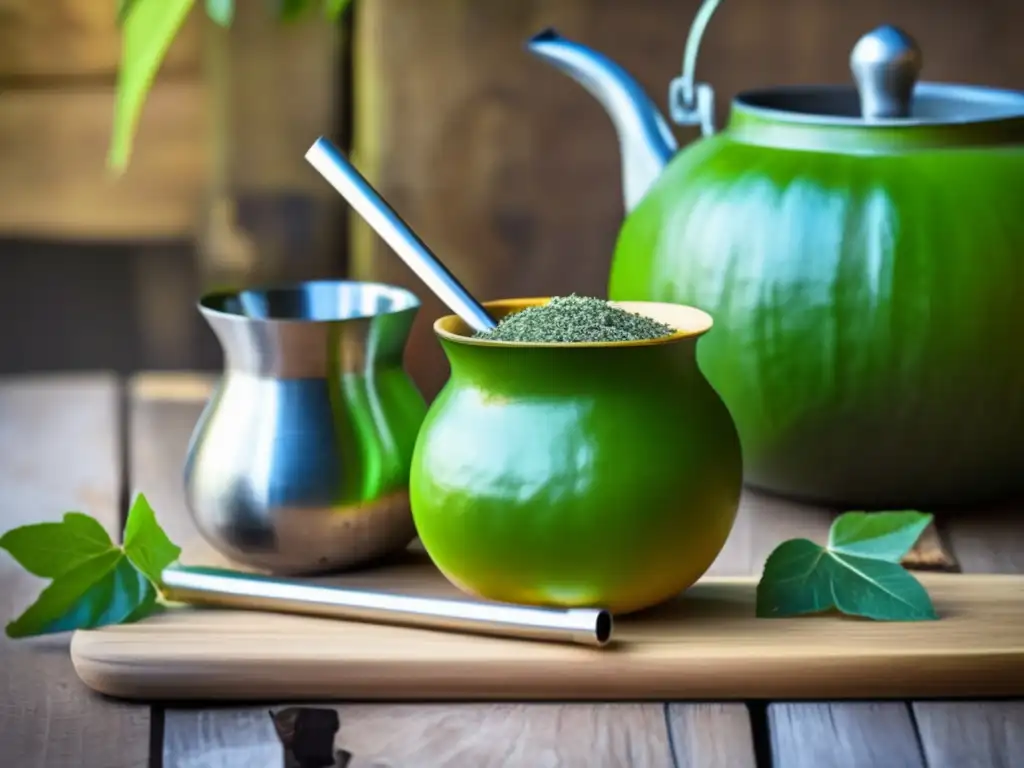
x: 89, y: 442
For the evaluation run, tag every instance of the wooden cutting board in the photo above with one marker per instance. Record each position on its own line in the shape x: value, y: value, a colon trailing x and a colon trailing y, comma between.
x: 706, y: 644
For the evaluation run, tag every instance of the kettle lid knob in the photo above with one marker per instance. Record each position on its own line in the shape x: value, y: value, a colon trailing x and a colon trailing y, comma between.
x: 886, y: 63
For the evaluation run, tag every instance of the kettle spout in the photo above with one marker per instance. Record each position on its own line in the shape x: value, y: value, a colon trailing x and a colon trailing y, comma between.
x: 645, y: 141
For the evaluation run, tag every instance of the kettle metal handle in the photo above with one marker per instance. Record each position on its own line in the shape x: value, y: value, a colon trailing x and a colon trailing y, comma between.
x: 885, y: 63
x: 693, y: 103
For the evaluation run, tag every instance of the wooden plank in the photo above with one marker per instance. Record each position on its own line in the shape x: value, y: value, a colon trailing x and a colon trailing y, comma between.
x: 221, y: 738
x: 589, y: 736
x: 511, y: 172
x: 860, y: 735
x: 984, y: 733
x: 53, y: 176
x: 498, y: 735
x: 58, y: 451
x: 73, y: 38
x: 711, y: 736
x: 435, y: 736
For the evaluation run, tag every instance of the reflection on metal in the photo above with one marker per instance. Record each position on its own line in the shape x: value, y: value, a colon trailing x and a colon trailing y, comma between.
x: 232, y: 589
x: 299, y: 462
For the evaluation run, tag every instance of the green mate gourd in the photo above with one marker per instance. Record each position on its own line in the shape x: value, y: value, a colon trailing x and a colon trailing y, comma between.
x: 861, y: 250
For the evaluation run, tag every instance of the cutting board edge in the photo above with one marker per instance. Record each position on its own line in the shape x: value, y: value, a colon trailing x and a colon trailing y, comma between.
x: 134, y: 691
x: 940, y: 676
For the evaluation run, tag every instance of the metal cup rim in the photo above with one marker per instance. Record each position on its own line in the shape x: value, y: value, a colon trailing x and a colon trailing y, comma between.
x: 402, y: 301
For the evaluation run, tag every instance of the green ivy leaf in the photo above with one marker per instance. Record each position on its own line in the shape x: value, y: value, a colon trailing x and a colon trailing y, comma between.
x: 335, y: 8
x: 104, y: 590
x: 148, y: 29
x: 858, y: 573
x: 123, y: 9
x: 94, y: 582
x: 883, y: 535
x: 290, y: 10
x: 221, y: 11
x: 50, y: 550
x: 145, y: 542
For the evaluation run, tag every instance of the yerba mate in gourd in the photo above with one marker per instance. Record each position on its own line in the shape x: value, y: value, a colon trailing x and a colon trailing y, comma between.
x: 575, y: 320
x: 576, y: 473
x: 860, y: 248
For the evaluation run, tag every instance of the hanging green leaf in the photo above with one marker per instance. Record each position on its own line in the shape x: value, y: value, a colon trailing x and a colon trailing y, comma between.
x: 290, y: 10
x: 335, y: 8
x: 147, y: 32
x: 858, y: 573
x: 221, y: 11
x: 123, y: 7
x: 94, y: 582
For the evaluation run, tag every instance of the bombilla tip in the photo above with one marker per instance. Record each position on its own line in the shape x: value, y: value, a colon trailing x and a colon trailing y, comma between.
x: 603, y: 627
x: 318, y: 147
x: 547, y: 35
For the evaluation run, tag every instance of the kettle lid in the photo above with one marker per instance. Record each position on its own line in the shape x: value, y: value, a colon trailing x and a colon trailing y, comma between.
x: 885, y: 63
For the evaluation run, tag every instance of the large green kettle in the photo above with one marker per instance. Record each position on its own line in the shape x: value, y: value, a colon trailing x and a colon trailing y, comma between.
x: 861, y: 250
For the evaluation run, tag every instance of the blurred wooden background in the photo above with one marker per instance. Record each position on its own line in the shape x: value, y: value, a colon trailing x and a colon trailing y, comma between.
x: 508, y: 169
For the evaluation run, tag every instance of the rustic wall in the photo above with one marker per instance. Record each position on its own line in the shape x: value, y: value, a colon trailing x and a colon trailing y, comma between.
x: 58, y: 69
x: 58, y: 64
x: 104, y: 273
x: 509, y: 170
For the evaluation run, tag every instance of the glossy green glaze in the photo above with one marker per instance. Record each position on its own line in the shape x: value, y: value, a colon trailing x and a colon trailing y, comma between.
x: 867, y: 285
x: 576, y: 475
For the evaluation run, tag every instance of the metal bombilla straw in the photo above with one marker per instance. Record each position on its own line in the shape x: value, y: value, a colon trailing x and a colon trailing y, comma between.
x: 343, y: 176
x: 223, y: 588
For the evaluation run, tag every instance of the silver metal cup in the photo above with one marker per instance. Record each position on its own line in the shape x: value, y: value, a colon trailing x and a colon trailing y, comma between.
x: 299, y: 463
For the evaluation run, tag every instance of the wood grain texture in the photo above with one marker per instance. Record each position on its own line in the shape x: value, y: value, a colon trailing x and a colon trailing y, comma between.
x: 218, y: 738
x: 65, y: 39
x: 711, y: 736
x: 510, y: 171
x: 859, y: 735
x: 58, y: 452
x: 163, y: 411
x: 500, y: 735
x: 53, y: 177
x: 985, y: 733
